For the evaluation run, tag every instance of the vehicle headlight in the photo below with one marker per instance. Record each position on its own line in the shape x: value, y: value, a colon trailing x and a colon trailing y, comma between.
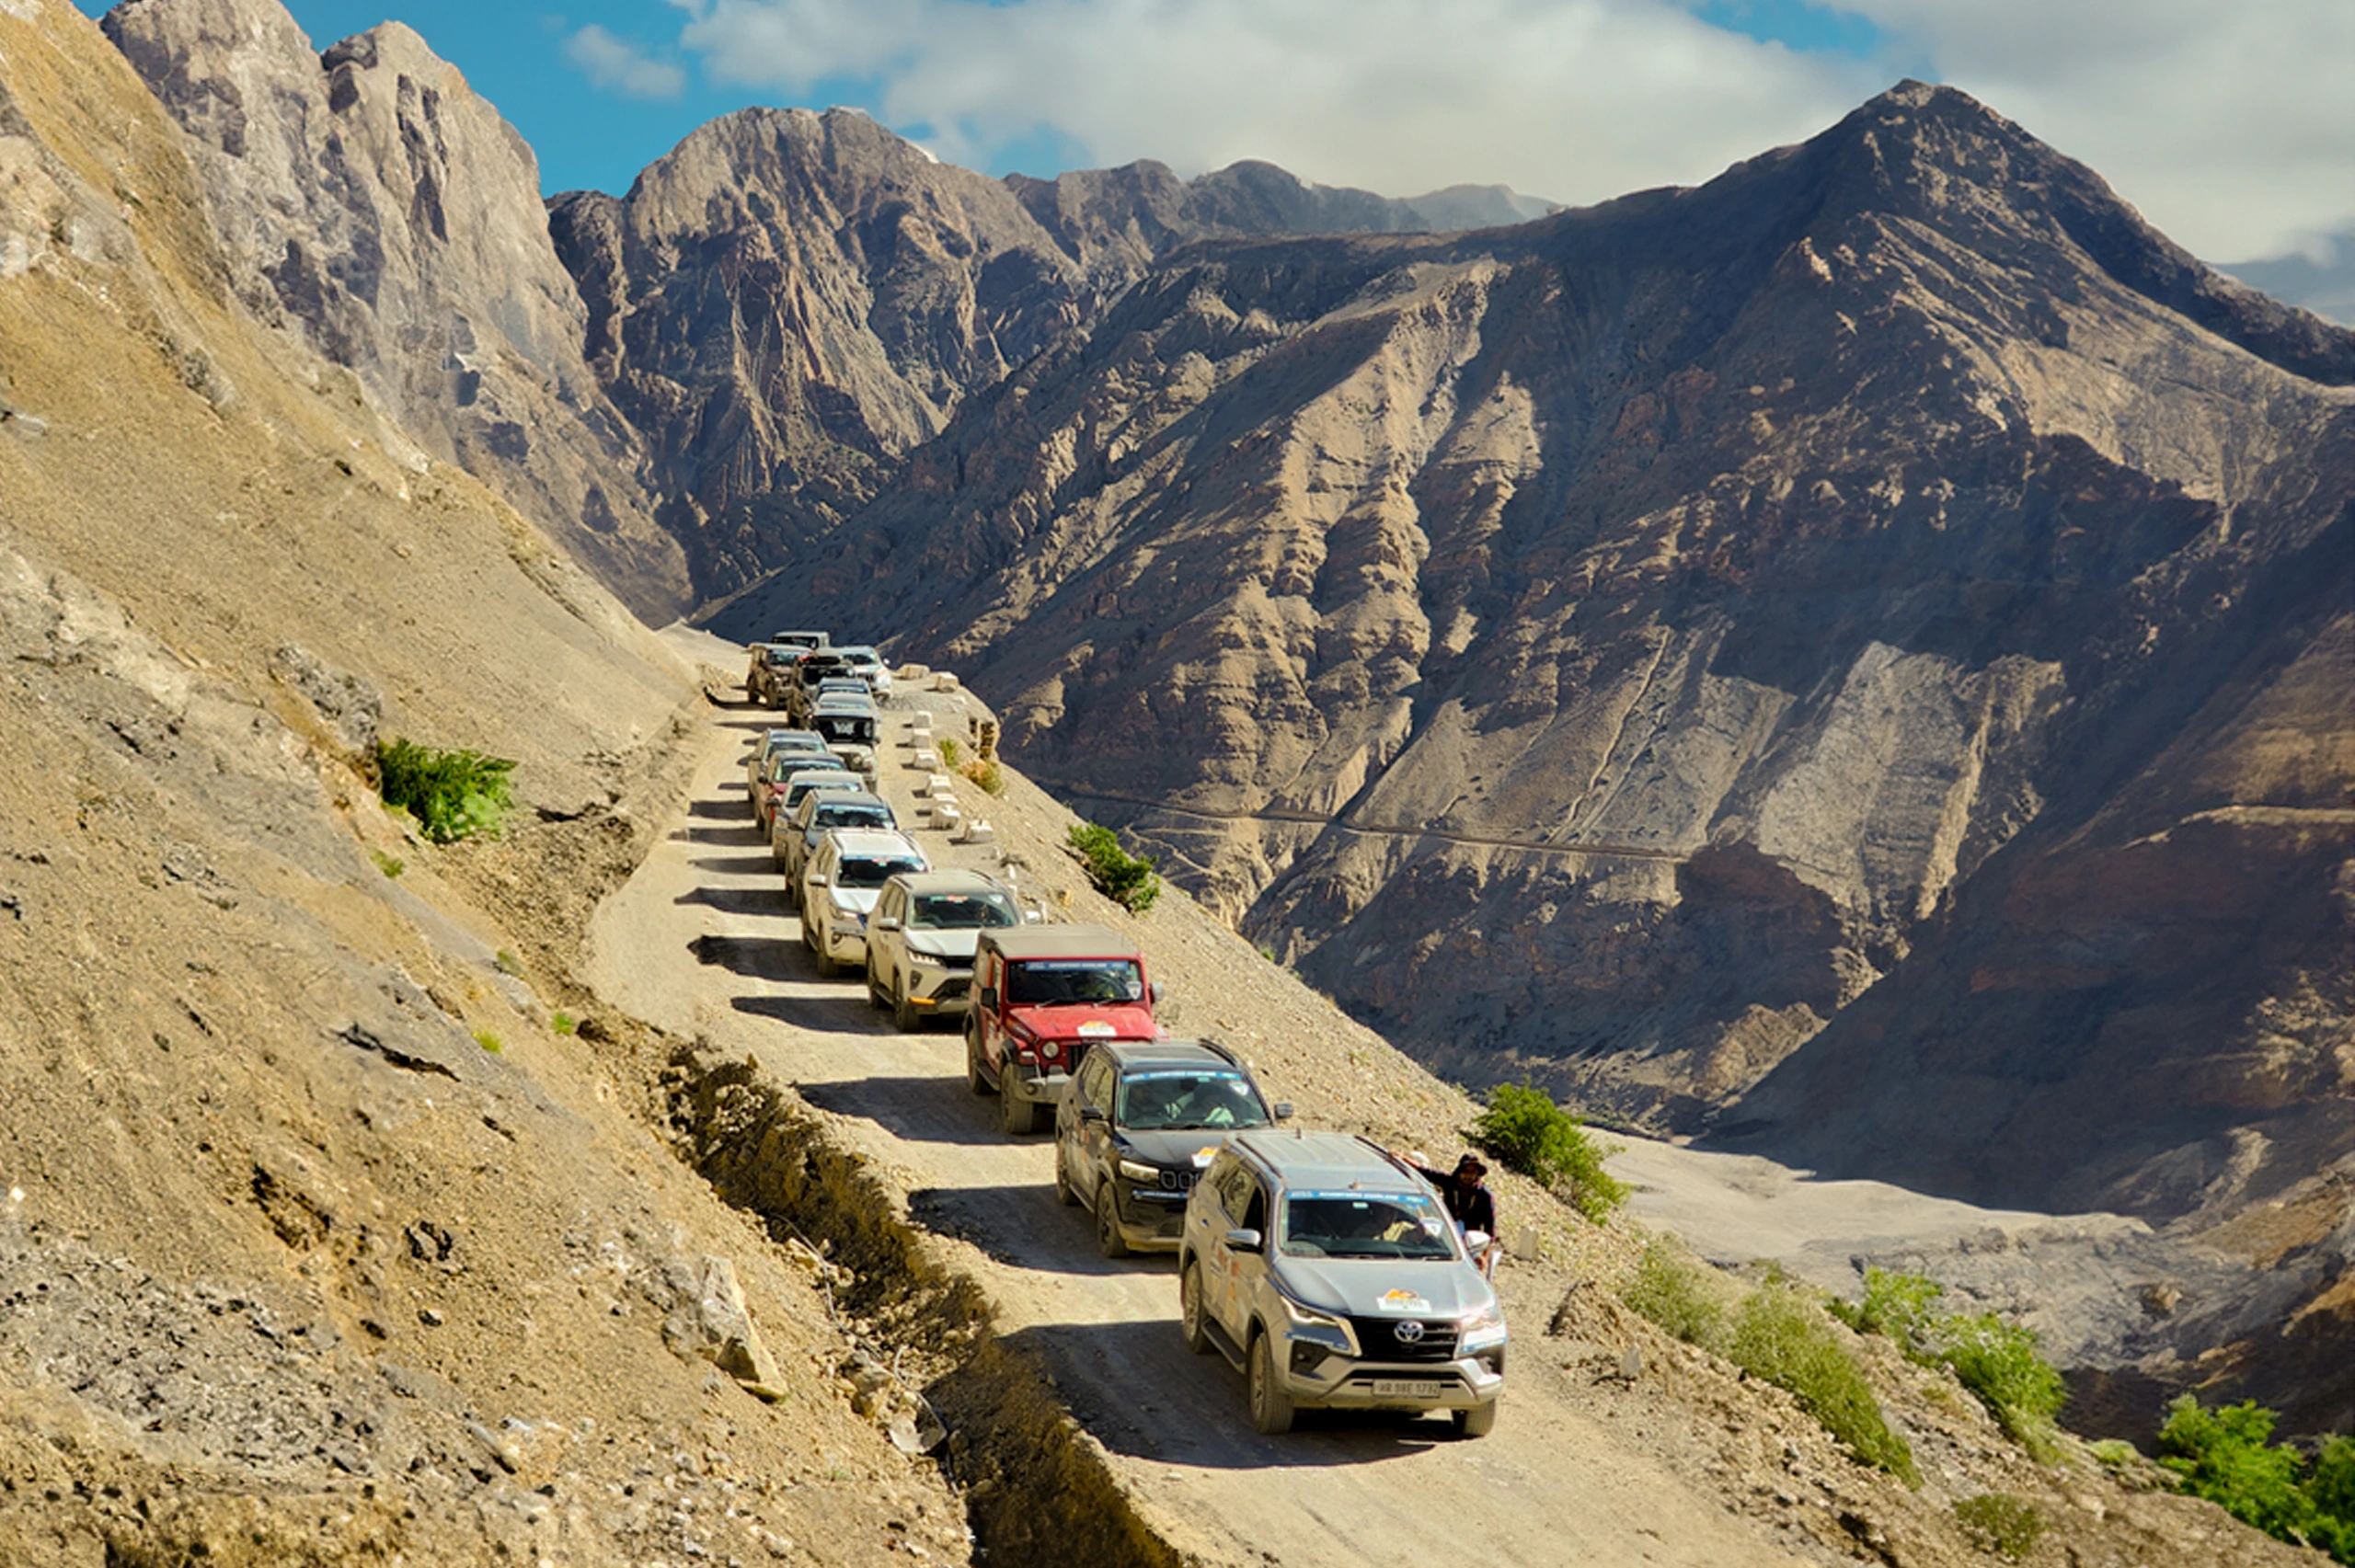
x: 1319, y: 1328
x: 1484, y: 1330
x: 928, y: 961
x: 1137, y: 1172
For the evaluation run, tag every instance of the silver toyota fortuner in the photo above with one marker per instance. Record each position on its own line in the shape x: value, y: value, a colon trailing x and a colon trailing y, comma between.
x: 1331, y: 1274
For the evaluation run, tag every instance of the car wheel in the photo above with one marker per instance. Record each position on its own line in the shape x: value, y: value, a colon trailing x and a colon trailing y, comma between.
x: 1018, y: 1115
x: 827, y: 967
x: 1270, y: 1407
x: 1064, y: 1193
x: 973, y: 1078
x: 1477, y: 1422
x: 905, y: 1014
x: 1108, y: 1239
x: 1193, y: 1319
x: 875, y: 997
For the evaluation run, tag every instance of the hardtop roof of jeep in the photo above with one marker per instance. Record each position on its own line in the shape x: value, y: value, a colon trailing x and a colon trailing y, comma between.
x: 1023, y: 942
x: 1326, y: 1160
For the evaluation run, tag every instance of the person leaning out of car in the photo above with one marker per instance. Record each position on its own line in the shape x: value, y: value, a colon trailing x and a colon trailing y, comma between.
x: 1469, y: 1202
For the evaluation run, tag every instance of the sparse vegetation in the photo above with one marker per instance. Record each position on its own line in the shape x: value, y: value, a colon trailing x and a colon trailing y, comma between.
x: 1126, y: 879
x: 1997, y: 1361
x: 2000, y: 1523
x: 391, y: 866
x: 453, y: 795
x: 1676, y: 1292
x: 949, y: 751
x: 1783, y: 1336
x: 2227, y: 1456
x: 986, y: 773
x: 563, y: 1023
x: 506, y: 963
x: 1525, y: 1129
x: 490, y: 1041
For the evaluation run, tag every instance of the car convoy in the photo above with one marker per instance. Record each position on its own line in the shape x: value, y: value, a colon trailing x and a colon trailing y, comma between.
x: 1323, y: 1267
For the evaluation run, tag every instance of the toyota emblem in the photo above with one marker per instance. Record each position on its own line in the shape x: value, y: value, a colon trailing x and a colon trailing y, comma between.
x: 1408, y: 1332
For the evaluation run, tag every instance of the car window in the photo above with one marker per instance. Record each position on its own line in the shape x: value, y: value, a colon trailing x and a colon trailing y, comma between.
x: 961, y: 911
x: 1365, y: 1225
x: 1255, y: 1207
x: 1188, y: 1098
x: 852, y: 814
x: 1050, y: 982
x: 865, y: 871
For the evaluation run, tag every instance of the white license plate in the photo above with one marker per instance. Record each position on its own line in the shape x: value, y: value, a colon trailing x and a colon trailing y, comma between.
x: 1391, y: 1388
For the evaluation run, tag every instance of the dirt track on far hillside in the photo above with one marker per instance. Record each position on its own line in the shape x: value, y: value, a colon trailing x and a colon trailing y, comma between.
x: 701, y: 942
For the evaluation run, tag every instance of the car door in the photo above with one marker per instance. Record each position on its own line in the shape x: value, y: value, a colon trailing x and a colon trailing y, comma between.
x: 1240, y: 1196
x: 1093, y: 1091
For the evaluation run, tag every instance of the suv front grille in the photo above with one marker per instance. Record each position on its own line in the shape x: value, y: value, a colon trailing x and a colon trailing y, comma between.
x: 1378, y: 1339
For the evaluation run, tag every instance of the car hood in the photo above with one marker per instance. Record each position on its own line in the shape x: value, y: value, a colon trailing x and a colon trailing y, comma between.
x: 861, y: 899
x: 957, y: 945
x: 1088, y: 1021
x: 1376, y: 1288
x: 1176, y: 1148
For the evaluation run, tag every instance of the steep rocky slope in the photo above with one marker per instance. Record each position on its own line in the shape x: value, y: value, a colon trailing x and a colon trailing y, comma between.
x: 1875, y: 616
x: 318, y: 1241
x: 374, y: 205
x: 789, y: 303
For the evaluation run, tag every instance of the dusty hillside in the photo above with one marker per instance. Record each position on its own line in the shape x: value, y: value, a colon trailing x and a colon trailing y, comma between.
x: 374, y: 205
x: 317, y: 1243
x: 1606, y: 649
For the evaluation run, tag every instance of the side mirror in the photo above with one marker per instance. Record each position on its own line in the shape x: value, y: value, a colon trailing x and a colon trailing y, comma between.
x: 1247, y: 1242
x: 1283, y: 1110
x: 819, y: 879
x: 1157, y: 990
x: 1091, y: 1112
x: 888, y: 922
x: 1477, y: 1242
x: 989, y: 997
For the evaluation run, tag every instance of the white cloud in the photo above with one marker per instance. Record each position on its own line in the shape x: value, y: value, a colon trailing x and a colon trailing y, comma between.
x: 621, y: 66
x: 2230, y: 125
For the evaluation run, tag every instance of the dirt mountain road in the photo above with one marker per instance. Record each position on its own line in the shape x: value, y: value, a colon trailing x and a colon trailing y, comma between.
x: 701, y: 941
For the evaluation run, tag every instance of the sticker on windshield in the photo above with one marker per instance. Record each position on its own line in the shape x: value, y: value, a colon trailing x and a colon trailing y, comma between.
x: 1403, y: 1302
x: 1096, y: 1029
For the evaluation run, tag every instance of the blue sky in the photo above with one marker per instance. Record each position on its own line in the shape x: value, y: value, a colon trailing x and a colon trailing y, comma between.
x: 2231, y: 126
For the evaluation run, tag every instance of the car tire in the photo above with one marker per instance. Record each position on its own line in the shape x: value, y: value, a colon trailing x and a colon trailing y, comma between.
x: 905, y: 1015
x: 1271, y: 1409
x: 1017, y: 1115
x: 875, y: 997
x: 827, y: 967
x: 1108, y: 1239
x: 974, y: 1079
x: 1065, y: 1194
x: 1193, y: 1313
x: 1477, y: 1422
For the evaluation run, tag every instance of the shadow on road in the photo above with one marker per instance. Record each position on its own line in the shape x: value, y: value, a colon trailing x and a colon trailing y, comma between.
x: 846, y: 1014
x: 738, y: 864
x: 733, y: 807
x: 755, y: 957
x: 738, y: 901
x: 930, y: 1109
x: 1141, y: 1394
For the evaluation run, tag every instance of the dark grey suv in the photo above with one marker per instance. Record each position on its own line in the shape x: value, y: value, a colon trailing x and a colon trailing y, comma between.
x: 1136, y: 1125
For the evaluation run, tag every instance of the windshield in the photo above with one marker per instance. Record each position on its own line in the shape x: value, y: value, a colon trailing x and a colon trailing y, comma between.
x: 860, y: 871
x: 1151, y: 1102
x: 1050, y: 981
x: 851, y: 814
x: 849, y: 729
x: 961, y: 911
x: 793, y: 793
x: 1365, y: 1225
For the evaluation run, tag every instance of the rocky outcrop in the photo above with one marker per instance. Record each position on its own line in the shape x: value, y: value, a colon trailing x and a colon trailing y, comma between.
x: 1766, y: 632
x: 374, y: 205
x: 790, y: 303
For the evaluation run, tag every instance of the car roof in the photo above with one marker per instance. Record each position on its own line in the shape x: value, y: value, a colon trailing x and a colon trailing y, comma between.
x: 856, y: 650
x: 950, y: 880
x: 843, y: 703
x: 873, y: 842
x: 1022, y: 942
x: 1167, y: 1053
x: 1305, y: 1159
x: 778, y: 739
x: 846, y: 798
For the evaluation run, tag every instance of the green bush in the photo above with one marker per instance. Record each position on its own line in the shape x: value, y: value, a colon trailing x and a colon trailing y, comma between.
x: 1781, y: 1336
x: 986, y: 773
x: 490, y: 1041
x: 563, y: 1023
x: 453, y: 795
x: 1525, y: 1129
x: 1997, y: 1361
x: 949, y: 751
x: 1119, y: 876
x: 391, y: 866
x: 2000, y: 1523
x: 2226, y: 1454
x: 1679, y: 1295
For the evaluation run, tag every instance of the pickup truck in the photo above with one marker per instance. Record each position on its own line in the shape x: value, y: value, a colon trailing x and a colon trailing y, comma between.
x: 1043, y: 997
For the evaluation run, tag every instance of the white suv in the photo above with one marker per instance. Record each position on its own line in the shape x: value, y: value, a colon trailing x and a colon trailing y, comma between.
x: 838, y: 887
x: 920, y: 942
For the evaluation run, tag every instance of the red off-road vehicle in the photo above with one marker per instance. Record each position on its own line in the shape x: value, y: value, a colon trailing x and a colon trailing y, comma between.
x: 1043, y: 997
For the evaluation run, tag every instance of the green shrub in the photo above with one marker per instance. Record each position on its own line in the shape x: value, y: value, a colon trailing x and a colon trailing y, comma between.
x: 453, y: 795
x: 1781, y: 1336
x: 2225, y: 1455
x: 950, y: 750
x: 1678, y: 1294
x: 1525, y: 1129
x: 562, y: 1022
x: 506, y: 963
x: 1997, y: 1361
x: 2000, y: 1523
x: 490, y: 1041
x: 986, y: 773
x: 1125, y: 878
x: 391, y: 866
